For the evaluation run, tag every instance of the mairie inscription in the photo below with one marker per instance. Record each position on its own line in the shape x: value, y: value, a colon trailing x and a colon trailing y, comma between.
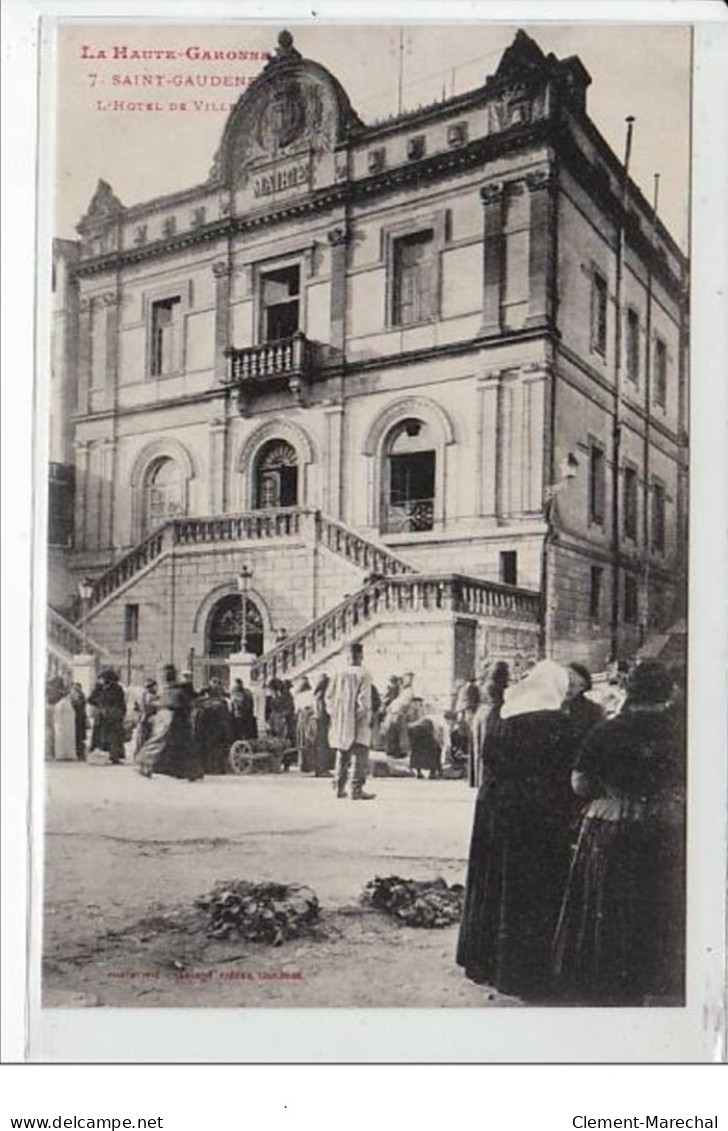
x: 291, y: 175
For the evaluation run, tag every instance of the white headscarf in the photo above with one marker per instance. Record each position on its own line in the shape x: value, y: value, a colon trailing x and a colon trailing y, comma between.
x: 543, y: 689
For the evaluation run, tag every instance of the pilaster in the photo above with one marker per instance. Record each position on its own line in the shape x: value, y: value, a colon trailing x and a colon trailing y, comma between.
x: 222, y: 270
x: 332, y: 504
x: 542, y: 189
x: 493, y: 198
x: 486, y: 454
x: 85, y: 317
x: 81, y: 492
x: 338, y: 240
x: 216, y: 482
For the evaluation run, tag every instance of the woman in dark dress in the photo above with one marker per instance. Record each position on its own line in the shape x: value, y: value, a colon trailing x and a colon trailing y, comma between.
x: 110, y: 702
x: 486, y: 723
x: 425, y: 749
x: 78, y: 702
x: 242, y: 712
x: 620, y: 937
x: 324, y: 758
x: 519, y: 853
x: 211, y: 729
x: 170, y: 749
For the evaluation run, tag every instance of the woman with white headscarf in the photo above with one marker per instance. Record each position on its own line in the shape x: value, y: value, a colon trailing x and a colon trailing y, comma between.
x: 520, y: 847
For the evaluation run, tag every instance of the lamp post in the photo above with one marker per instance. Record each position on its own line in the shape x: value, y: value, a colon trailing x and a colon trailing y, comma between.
x: 568, y: 471
x: 244, y: 578
x: 85, y: 592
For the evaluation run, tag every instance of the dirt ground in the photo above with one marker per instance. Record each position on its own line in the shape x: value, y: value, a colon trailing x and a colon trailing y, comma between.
x: 125, y: 859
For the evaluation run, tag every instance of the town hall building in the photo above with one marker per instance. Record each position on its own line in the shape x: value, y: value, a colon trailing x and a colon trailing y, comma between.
x: 421, y: 383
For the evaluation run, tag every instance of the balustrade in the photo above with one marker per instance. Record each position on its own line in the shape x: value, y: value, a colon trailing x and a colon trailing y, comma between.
x: 271, y: 359
x: 416, y: 593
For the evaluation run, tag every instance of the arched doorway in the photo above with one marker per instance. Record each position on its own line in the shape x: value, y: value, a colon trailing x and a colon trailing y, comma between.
x: 276, y: 476
x: 410, y: 459
x: 163, y: 493
x: 224, y: 627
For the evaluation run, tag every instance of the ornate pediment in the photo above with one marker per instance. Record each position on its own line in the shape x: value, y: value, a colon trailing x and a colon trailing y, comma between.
x: 294, y: 110
x: 521, y: 64
x: 104, y: 208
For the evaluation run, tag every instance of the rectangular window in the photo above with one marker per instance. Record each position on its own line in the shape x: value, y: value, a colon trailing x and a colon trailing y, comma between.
x: 280, y: 303
x: 166, y: 326
x: 509, y: 567
x: 599, y: 314
x: 629, y: 503
x: 660, y: 390
x: 658, y: 518
x: 595, y: 592
x: 597, y: 484
x: 131, y: 624
x: 630, y: 599
x: 414, y: 279
x: 632, y: 346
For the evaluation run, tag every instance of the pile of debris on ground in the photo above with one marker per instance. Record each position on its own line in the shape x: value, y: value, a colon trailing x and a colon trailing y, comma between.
x: 416, y: 903
x: 267, y: 912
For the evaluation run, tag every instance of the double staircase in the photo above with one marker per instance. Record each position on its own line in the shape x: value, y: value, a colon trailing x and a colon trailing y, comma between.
x: 390, y: 592
x: 251, y: 526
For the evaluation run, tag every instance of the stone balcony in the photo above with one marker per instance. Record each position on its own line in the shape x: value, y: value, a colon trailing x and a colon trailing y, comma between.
x: 285, y: 363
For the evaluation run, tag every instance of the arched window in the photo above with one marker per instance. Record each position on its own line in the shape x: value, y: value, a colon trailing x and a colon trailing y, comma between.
x: 163, y: 493
x: 276, y: 476
x: 409, y: 478
x: 225, y: 627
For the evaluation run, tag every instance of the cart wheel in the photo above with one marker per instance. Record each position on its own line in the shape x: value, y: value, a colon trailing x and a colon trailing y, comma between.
x: 240, y: 758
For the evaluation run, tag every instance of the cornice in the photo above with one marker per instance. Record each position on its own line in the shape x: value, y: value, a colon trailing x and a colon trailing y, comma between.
x: 434, y: 167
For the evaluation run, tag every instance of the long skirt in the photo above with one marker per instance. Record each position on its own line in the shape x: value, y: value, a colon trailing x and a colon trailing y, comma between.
x: 324, y: 758
x: 306, y: 740
x: 108, y: 732
x: 621, y: 933
x: 170, y: 750
x: 64, y: 731
x: 426, y: 754
x: 516, y: 877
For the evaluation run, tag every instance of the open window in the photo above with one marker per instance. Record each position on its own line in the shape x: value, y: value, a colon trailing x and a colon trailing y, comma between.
x: 280, y: 300
x: 166, y: 337
x: 410, y: 467
x: 276, y: 476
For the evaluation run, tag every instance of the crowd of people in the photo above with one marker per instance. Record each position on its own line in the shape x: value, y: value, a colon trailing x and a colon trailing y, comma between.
x: 575, y: 886
x: 576, y: 876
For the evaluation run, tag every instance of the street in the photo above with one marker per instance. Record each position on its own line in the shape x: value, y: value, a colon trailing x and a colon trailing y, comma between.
x: 125, y: 858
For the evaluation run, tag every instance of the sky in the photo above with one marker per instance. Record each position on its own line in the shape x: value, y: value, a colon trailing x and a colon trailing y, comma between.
x: 637, y: 70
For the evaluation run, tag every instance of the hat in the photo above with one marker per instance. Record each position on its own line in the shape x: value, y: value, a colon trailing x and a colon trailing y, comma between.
x: 543, y: 689
x: 649, y: 682
x: 583, y: 673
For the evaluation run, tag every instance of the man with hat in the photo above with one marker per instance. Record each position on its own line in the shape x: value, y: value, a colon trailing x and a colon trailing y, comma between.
x: 349, y: 703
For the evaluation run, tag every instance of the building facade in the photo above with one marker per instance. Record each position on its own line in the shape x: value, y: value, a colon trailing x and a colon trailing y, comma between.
x: 426, y: 379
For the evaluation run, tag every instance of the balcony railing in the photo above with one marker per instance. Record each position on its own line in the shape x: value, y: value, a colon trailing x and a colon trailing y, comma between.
x: 409, y: 517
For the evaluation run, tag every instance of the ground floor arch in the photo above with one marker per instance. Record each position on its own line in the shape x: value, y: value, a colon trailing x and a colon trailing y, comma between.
x: 224, y: 631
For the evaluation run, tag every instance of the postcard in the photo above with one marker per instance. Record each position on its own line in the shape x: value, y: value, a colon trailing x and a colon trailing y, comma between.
x: 367, y: 709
